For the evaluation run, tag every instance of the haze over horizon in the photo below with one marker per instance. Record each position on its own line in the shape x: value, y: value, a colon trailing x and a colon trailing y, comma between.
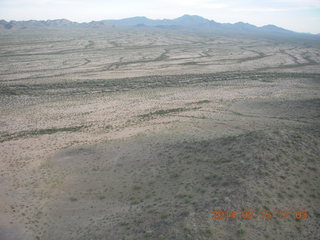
x: 296, y: 15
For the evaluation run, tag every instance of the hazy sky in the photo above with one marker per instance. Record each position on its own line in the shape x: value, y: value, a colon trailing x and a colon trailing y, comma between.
x: 297, y: 15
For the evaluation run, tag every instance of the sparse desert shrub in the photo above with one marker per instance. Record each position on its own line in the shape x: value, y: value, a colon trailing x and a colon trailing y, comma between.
x: 241, y: 232
x: 136, y: 187
x: 101, y: 196
x: 73, y: 199
x: 164, y: 215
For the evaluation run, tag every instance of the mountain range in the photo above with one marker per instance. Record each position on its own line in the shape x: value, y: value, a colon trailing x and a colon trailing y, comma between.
x: 193, y: 22
x: 185, y: 22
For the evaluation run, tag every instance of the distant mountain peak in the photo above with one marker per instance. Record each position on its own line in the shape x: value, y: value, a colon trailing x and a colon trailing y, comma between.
x: 274, y: 28
x: 191, y: 19
x: 139, y: 18
x: 243, y: 23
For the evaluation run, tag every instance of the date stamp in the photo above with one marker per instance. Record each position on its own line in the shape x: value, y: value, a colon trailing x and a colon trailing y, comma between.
x: 265, y: 214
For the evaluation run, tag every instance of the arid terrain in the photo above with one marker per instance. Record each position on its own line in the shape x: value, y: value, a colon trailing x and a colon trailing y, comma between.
x: 140, y: 133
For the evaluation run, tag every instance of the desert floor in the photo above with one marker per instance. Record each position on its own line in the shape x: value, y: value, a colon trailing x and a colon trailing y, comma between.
x: 141, y: 134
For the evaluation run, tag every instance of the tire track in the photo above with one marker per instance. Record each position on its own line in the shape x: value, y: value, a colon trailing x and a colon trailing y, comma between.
x: 86, y: 61
x: 116, y: 65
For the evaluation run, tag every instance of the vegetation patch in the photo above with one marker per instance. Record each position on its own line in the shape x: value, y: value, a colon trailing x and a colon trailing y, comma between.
x: 189, y: 63
x: 163, y: 112
x: 125, y: 84
x: 23, y: 134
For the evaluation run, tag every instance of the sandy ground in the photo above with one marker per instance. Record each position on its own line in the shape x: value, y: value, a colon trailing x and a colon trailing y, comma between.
x: 96, y: 131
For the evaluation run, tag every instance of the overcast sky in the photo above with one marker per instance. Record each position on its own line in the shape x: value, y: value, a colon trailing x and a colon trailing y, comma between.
x: 297, y: 15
